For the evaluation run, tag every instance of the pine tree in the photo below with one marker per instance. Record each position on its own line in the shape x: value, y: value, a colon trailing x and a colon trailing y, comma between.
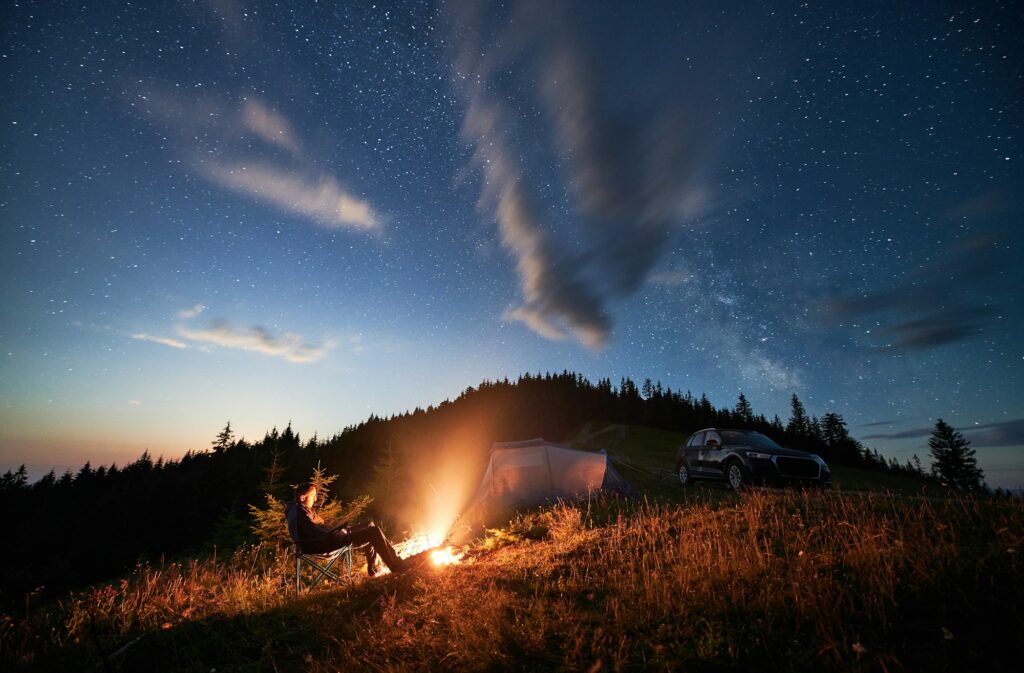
x: 272, y: 481
x: 798, y: 423
x: 833, y: 430
x: 14, y: 480
x: 231, y: 530
x: 744, y: 411
x: 648, y: 389
x: 269, y: 524
x: 954, y: 460
x: 814, y: 430
x: 224, y: 439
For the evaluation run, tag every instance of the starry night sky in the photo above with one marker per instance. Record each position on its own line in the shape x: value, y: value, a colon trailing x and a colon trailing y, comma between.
x: 316, y: 211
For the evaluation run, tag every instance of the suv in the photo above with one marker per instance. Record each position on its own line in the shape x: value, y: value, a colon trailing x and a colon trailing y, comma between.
x: 739, y: 457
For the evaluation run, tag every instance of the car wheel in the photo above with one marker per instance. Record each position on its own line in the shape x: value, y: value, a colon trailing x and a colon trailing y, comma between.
x: 684, y: 475
x: 734, y: 477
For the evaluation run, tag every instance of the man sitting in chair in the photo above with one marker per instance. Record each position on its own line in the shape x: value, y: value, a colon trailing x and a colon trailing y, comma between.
x: 316, y: 538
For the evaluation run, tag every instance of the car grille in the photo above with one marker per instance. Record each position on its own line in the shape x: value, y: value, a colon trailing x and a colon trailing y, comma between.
x: 803, y: 468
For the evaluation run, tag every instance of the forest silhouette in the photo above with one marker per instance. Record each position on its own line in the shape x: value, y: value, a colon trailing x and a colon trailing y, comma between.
x: 78, y: 528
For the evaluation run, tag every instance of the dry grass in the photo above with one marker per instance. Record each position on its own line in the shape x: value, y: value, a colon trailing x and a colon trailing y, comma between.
x: 106, y: 617
x: 765, y: 581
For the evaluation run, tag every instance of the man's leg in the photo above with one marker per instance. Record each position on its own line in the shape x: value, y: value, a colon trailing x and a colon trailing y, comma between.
x: 377, y: 544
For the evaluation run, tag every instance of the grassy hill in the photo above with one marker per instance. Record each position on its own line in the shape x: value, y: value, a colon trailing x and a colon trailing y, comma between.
x: 701, y: 579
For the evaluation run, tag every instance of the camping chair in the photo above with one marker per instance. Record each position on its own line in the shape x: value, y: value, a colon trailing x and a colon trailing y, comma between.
x: 323, y: 564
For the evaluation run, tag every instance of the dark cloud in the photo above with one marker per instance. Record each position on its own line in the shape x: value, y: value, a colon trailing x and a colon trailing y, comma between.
x: 937, y: 329
x: 1006, y: 433
x: 931, y: 307
x: 631, y: 152
x: 878, y: 423
x: 905, y: 434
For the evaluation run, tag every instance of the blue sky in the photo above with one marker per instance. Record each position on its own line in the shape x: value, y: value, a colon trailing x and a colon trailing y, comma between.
x: 265, y: 213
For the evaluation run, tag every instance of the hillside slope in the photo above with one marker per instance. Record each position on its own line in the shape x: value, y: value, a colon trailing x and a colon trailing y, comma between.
x: 765, y: 580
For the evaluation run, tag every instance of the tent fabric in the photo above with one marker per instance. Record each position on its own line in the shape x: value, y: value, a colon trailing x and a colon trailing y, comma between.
x: 534, y: 471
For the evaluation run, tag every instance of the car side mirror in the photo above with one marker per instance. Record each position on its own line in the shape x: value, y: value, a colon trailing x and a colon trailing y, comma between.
x: 712, y: 442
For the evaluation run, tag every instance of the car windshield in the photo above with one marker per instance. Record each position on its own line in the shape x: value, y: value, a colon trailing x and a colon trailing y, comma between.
x: 755, y: 439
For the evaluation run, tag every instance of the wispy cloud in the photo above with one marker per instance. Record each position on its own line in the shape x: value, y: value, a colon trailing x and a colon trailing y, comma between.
x: 270, y: 125
x: 319, y: 197
x: 288, y: 346
x: 216, y: 125
x: 556, y: 300
x: 192, y: 312
x: 635, y: 171
x: 166, y: 341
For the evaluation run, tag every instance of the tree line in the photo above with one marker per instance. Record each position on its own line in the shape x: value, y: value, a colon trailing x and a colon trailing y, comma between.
x: 78, y: 528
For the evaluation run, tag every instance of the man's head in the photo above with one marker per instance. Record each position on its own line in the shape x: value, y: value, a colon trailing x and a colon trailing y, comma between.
x: 305, y: 494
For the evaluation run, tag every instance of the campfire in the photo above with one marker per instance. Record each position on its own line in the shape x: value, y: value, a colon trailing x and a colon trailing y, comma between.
x: 431, y: 544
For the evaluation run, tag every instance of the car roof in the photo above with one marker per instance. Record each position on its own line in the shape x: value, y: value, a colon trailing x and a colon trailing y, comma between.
x: 722, y: 430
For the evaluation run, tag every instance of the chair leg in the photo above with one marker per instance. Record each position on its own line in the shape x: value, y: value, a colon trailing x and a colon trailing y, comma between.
x: 325, y: 571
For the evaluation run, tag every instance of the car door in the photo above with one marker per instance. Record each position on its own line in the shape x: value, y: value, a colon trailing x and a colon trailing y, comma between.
x: 714, y: 453
x: 694, y: 449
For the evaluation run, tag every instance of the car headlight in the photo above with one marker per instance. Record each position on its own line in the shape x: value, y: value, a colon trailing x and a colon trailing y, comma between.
x: 757, y: 454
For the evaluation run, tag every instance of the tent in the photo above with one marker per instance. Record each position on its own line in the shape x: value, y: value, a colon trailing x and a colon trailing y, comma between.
x: 534, y: 471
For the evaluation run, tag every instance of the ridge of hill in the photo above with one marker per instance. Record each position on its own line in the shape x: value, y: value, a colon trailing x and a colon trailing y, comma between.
x: 96, y: 524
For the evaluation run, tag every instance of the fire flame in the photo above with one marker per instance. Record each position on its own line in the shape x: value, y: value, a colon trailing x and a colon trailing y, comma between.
x: 445, y: 557
x: 417, y: 544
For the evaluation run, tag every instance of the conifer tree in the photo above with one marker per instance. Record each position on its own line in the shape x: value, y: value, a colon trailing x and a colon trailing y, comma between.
x: 13, y: 480
x: 798, y: 422
x: 273, y: 473
x: 648, y: 389
x: 269, y: 523
x: 743, y: 410
x: 224, y: 438
x: 814, y: 430
x: 833, y: 430
x: 953, y: 459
